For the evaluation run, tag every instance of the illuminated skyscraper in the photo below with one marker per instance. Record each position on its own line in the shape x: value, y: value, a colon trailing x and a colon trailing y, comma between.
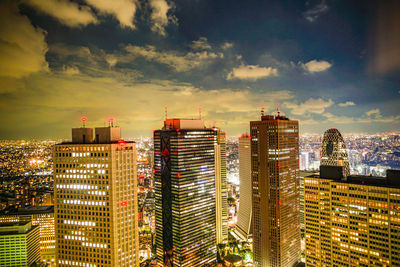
x: 42, y: 216
x: 244, y: 214
x: 275, y: 177
x: 334, y: 152
x: 221, y: 193
x: 184, y: 162
x: 353, y: 221
x: 96, y: 199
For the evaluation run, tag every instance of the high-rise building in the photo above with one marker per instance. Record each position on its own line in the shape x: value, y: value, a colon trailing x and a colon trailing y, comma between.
x: 275, y: 177
x: 334, y: 152
x: 96, y: 199
x: 304, y: 161
x: 353, y: 221
x: 42, y: 216
x: 243, y: 226
x: 19, y: 244
x: 221, y: 194
x: 184, y: 166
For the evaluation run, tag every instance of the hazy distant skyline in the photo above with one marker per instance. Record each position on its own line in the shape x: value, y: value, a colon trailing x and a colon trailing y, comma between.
x: 326, y: 63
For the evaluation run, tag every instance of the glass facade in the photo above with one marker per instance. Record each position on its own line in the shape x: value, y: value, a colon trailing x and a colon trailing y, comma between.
x: 184, y: 162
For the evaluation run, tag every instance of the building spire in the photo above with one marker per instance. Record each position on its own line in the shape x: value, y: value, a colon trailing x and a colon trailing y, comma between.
x: 262, y: 109
x: 166, y: 111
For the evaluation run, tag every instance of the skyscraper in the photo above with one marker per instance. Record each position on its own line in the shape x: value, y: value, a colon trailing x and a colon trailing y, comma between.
x: 244, y: 214
x: 353, y: 221
x: 221, y: 193
x: 275, y: 177
x: 184, y: 162
x: 96, y: 199
x: 334, y: 152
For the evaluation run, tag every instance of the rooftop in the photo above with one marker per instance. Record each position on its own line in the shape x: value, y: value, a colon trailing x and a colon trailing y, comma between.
x: 29, y: 210
x: 392, y: 179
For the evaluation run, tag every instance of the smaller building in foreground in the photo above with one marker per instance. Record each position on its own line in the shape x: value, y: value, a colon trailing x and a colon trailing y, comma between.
x: 43, y: 216
x: 353, y: 221
x: 19, y: 244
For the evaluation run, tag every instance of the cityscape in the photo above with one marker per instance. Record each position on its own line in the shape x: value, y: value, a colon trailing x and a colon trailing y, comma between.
x: 205, y: 133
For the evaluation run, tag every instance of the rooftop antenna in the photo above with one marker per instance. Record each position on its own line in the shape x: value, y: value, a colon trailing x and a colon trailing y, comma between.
x: 277, y: 109
x: 262, y: 109
x: 213, y: 124
x: 83, y: 120
x: 200, y: 112
x: 247, y: 129
x: 111, y: 122
x: 166, y: 111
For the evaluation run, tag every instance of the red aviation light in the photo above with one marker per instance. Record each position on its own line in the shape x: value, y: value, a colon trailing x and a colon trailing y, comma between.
x: 279, y: 164
x: 141, y: 176
x: 121, y: 143
x: 178, y: 175
x: 123, y: 203
x: 279, y: 202
x: 83, y: 119
x: 177, y: 129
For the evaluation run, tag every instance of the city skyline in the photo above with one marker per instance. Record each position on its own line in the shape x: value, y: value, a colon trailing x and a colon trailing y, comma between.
x: 325, y: 63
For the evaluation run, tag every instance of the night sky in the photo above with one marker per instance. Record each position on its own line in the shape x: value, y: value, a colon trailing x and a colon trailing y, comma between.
x: 325, y: 63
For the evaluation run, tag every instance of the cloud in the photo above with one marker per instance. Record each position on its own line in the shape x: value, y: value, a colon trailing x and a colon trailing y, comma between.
x: 111, y: 60
x: 251, y: 72
x: 315, y: 12
x: 347, y: 104
x: 312, y: 105
x: 373, y: 116
x: 71, y: 70
x: 316, y: 66
x: 159, y: 16
x: 66, y: 12
x: 123, y: 10
x: 176, y: 60
x: 201, y: 44
x: 137, y: 105
x: 22, y: 46
x: 227, y: 45
x: 373, y: 112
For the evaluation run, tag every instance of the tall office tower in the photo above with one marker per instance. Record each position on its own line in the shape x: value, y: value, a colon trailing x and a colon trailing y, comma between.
x: 221, y: 194
x: 243, y: 226
x: 275, y: 177
x: 184, y: 166
x: 353, y: 221
x: 42, y: 216
x: 334, y: 152
x: 19, y: 244
x: 96, y: 199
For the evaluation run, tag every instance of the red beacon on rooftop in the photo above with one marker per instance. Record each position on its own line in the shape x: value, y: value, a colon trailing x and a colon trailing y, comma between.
x: 83, y: 120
